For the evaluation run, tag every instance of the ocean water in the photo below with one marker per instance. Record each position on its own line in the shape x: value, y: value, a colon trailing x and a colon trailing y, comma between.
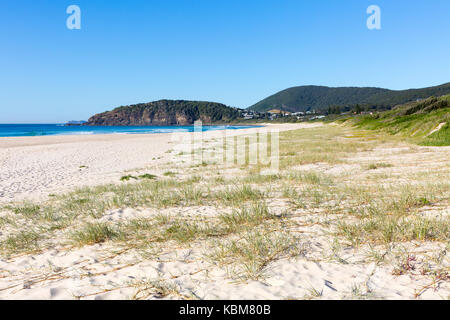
x: 28, y: 130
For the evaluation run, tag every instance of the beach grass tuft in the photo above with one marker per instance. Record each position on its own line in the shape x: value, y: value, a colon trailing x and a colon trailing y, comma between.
x: 93, y: 233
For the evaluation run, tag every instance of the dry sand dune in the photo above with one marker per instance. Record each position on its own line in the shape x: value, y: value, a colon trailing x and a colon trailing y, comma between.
x: 314, y: 265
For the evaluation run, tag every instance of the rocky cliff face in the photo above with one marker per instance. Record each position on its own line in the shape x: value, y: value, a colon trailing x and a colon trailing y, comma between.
x: 165, y: 113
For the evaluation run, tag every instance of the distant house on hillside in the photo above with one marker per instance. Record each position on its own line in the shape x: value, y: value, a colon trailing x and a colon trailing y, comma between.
x: 279, y: 112
x: 248, y: 114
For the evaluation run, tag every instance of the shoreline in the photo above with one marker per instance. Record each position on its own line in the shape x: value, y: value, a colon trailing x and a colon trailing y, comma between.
x: 90, y: 133
x: 14, y: 141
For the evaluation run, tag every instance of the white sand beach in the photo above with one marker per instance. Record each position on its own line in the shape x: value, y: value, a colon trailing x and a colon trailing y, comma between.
x: 313, y: 266
x: 34, y: 167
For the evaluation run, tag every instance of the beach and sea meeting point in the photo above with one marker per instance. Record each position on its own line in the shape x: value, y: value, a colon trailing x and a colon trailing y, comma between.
x: 266, y: 152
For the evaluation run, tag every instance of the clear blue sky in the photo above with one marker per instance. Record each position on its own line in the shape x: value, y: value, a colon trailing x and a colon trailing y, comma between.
x: 232, y: 51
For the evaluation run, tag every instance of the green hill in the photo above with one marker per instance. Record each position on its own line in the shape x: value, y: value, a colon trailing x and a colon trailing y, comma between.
x: 321, y: 98
x: 165, y: 113
x: 426, y: 122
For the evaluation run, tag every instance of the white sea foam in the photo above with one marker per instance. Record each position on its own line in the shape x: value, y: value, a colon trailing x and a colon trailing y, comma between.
x: 76, y: 133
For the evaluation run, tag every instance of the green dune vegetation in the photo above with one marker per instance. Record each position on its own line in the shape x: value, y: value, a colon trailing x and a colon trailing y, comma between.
x: 425, y: 122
